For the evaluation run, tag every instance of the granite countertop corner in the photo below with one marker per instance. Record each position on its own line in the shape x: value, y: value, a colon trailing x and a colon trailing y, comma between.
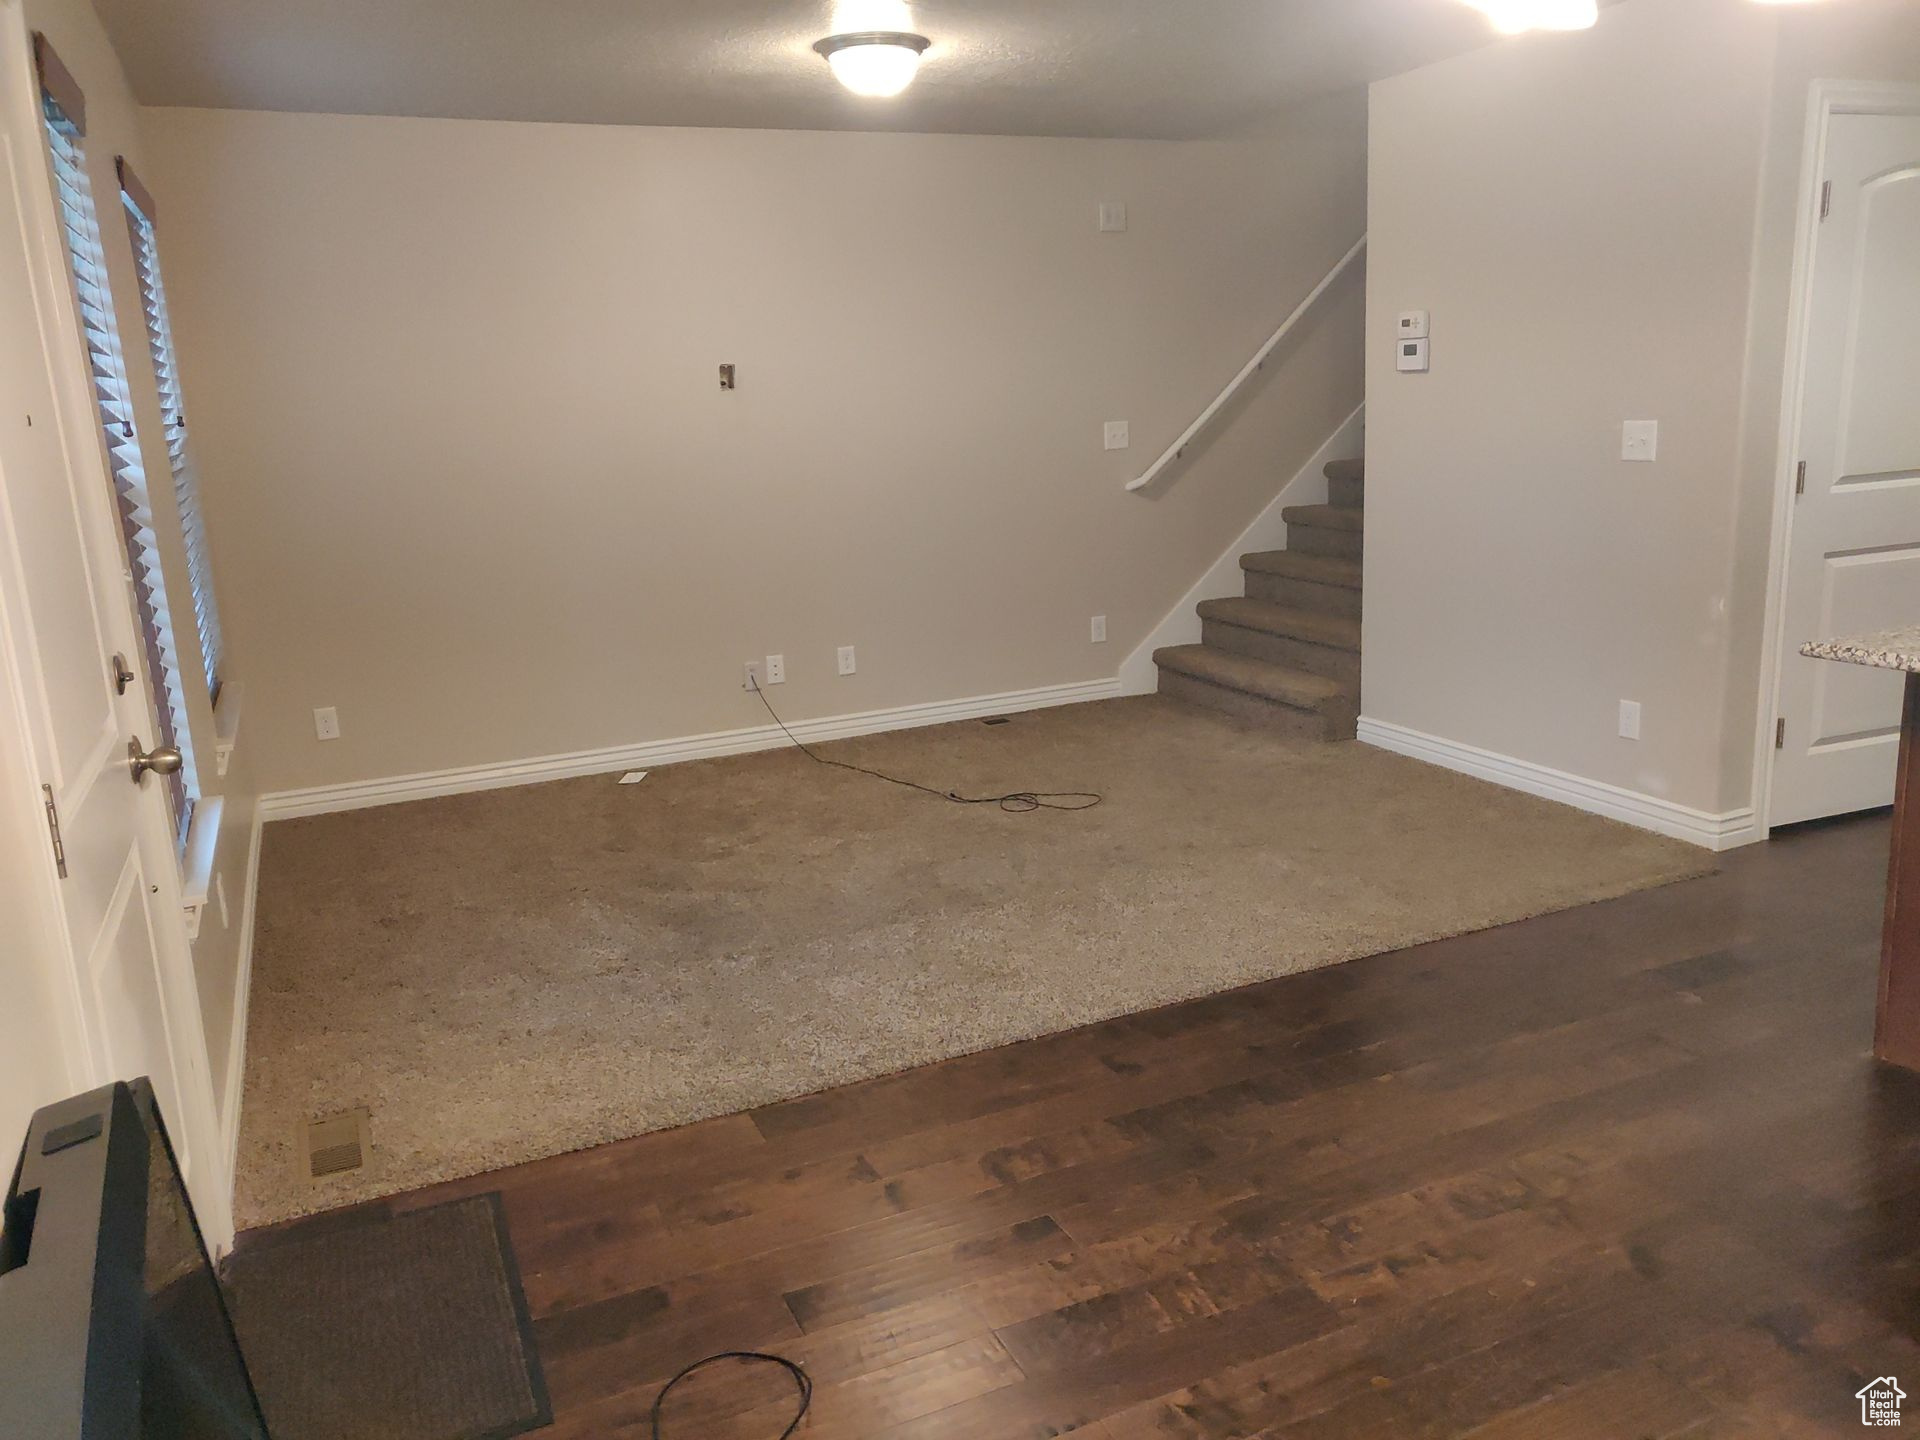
x: 1897, y: 649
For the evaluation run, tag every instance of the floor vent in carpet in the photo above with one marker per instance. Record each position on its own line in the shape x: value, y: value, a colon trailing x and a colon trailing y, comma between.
x: 335, y: 1144
x: 998, y: 720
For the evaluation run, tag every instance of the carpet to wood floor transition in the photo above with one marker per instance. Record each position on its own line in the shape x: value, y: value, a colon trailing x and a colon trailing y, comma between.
x: 519, y: 973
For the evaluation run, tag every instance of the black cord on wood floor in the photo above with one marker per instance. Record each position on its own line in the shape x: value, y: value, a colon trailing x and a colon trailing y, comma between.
x: 800, y: 1378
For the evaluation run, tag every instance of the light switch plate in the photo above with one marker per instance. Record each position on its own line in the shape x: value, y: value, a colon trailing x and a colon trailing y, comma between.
x: 1640, y: 441
x: 1113, y: 217
x: 1116, y: 435
x: 1413, y: 324
x: 1410, y: 356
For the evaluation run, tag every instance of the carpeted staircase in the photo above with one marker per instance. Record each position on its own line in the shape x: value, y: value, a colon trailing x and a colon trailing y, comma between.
x: 1288, y: 651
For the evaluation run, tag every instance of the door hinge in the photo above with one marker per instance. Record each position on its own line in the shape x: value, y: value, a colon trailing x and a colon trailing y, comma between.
x: 1826, y: 198
x: 53, y: 832
x: 1800, y: 479
x: 1780, y: 733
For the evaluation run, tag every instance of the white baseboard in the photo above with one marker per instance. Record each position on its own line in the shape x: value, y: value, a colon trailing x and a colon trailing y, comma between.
x: 242, y: 989
x: 1181, y: 624
x: 325, y: 799
x: 1698, y: 827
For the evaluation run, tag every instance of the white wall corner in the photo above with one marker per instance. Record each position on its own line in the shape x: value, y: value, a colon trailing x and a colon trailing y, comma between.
x: 1181, y: 624
x: 242, y: 988
x: 1726, y: 831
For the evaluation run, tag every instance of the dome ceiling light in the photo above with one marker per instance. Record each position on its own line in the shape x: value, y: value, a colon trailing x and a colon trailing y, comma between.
x: 1511, y: 17
x: 874, y: 63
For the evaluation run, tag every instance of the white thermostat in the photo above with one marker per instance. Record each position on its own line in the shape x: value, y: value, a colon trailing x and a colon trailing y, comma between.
x: 1413, y: 324
x: 1411, y: 355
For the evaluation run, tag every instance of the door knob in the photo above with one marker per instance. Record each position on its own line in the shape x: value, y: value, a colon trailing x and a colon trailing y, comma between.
x: 162, y: 760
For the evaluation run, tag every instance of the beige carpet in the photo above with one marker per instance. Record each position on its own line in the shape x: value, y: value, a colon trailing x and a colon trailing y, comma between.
x: 523, y: 972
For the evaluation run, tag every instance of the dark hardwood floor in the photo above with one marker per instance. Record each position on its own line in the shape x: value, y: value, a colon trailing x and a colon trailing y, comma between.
x: 1624, y: 1171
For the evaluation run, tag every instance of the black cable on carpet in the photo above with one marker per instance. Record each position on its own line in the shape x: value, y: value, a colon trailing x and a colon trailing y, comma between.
x: 1018, y: 802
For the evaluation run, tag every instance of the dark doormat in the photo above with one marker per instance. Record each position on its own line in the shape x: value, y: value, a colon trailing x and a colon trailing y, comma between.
x: 374, y: 1324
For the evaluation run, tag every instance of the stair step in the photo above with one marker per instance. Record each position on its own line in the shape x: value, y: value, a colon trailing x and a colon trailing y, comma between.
x: 1336, y: 662
x: 1324, y: 530
x: 1316, y: 627
x: 1311, y: 704
x: 1279, y: 683
x: 1329, y: 517
x: 1292, y: 565
x: 1347, y: 482
x: 1304, y: 582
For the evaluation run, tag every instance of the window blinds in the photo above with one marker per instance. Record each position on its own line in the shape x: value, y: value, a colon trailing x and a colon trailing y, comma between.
x: 166, y: 369
x: 65, y: 124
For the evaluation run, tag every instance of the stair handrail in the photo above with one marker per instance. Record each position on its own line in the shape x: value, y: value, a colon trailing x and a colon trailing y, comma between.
x: 1174, y: 451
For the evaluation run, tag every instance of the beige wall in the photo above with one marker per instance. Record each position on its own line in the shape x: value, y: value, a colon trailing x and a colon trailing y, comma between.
x: 473, y: 481
x: 115, y: 127
x: 1582, y: 215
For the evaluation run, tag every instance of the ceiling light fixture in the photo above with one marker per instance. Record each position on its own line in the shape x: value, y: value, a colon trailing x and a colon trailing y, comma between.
x: 874, y: 63
x: 1511, y: 17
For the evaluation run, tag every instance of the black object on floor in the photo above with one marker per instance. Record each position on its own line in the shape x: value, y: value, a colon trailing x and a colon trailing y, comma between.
x: 410, y: 1324
x: 802, y: 1380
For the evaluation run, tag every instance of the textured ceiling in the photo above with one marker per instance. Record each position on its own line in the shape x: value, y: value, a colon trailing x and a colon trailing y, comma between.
x: 1159, y: 69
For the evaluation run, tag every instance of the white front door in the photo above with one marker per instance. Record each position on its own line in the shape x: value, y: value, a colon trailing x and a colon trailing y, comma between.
x: 124, y: 977
x: 1853, y: 555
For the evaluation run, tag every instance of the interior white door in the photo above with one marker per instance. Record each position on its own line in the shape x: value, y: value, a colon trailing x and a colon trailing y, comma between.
x: 1853, y: 554
x: 67, y: 605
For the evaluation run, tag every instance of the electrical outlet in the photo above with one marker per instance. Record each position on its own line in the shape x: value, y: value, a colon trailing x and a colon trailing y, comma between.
x: 1640, y: 441
x: 1099, y: 629
x: 751, y: 680
x: 847, y: 666
x: 776, y: 669
x: 1629, y: 719
x: 1116, y: 435
x: 326, y: 723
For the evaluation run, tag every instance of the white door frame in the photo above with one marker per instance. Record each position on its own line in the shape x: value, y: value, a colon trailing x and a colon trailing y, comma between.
x: 1828, y: 99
